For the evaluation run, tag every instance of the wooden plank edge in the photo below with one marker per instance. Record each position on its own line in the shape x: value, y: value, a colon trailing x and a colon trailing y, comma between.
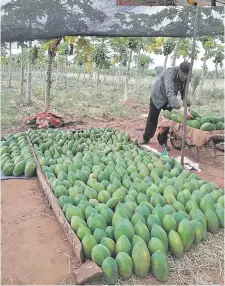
x: 53, y: 202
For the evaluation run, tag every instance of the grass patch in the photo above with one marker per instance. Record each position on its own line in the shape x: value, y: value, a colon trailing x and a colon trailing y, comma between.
x: 210, y: 103
x: 79, y: 98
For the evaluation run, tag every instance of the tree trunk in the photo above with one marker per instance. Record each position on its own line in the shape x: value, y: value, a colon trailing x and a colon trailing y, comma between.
x: 215, y: 78
x: 122, y: 73
x: 44, y: 81
x: 66, y: 71
x: 79, y: 72
x: 176, y: 50
x: 105, y: 75
x: 202, y: 76
x: 114, y: 72
x: 139, y: 81
x: 10, y: 65
x: 91, y: 74
x: 165, y: 61
x: 84, y: 72
x: 28, y: 91
x: 125, y: 97
x: 21, y: 72
x: 48, y: 81
x: 57, y: 72
x: 119, y: 76
x: 97, y: 85
x: 95, y: 74
x: 137, y: 71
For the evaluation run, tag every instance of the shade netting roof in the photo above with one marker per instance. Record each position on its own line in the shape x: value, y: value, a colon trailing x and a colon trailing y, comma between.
x: 24, y: 20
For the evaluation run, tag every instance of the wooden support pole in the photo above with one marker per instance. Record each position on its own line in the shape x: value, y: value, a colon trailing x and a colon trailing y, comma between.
x: 195, y: 34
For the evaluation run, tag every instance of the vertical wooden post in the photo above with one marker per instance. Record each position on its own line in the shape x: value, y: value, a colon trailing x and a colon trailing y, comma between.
x: 195, y: 32
x: 10, y: 66
x: 21, y: 72
x: 28, y: 90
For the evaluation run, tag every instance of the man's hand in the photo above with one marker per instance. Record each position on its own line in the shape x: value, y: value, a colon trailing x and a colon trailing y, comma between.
x: 181, y: 109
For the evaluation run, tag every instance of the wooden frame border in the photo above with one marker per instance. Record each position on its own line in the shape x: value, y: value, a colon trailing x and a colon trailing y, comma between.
x: 53, y: 203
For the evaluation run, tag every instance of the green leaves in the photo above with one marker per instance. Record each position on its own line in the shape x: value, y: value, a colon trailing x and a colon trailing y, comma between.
x: 145, y: 60
x: 208, y: 42
x: 63, y: 48
x: 219, y: 55
x: 168, y: 47
x: 83, y: 51
x: 185, y: 49
x: 100, y: 56
x: 120, y: 48
x: 34, y: 54
x: 214, y: 49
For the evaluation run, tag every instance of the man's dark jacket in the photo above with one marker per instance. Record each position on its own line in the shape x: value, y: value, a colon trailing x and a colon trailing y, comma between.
x: 166, y: 88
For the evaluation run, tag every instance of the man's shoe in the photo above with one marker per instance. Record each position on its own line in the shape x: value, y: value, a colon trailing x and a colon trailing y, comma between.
x: 144, y: 142
x: 165, y: 146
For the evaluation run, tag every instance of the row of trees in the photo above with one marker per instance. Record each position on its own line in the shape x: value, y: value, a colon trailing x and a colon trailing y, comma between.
x: 94, y: 54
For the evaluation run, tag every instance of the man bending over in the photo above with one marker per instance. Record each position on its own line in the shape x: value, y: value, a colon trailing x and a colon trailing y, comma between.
x: 164, y: 96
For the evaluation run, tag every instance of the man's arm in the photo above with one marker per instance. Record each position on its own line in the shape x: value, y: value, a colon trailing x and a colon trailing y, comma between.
x: 169, y: 77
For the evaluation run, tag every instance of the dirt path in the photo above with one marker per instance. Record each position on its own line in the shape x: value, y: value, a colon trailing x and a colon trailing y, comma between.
x: 32, y: 240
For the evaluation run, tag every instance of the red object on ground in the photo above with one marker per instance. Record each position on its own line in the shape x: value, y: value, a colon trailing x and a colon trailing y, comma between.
x: 44, y: 119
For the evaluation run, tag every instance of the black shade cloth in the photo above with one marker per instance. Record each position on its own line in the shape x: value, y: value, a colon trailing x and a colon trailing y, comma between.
x: 24, y: 20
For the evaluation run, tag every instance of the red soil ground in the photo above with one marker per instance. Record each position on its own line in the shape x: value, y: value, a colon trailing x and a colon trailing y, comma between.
x: 34, y: 248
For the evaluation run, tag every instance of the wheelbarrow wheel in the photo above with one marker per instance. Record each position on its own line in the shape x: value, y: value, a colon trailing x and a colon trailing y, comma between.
x: 175, y: 141
x: 220, y: 146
